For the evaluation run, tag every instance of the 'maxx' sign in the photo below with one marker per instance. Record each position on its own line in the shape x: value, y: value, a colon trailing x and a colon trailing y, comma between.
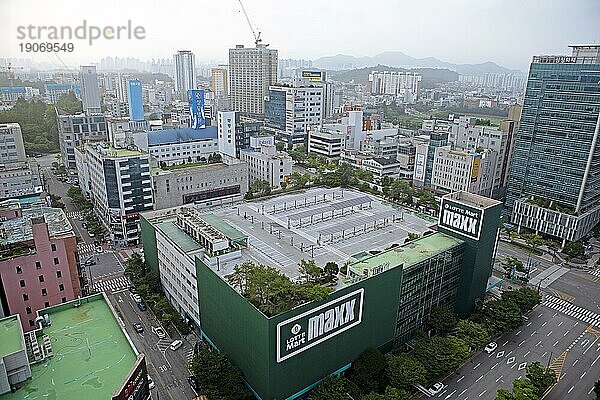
x: 315, y: 326
x: 461, y: 218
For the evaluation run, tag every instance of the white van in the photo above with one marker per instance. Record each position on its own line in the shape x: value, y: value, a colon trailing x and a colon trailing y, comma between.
x: 176, y: 344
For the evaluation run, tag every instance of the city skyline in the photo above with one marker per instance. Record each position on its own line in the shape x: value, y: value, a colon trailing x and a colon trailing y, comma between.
x: 420, y: 30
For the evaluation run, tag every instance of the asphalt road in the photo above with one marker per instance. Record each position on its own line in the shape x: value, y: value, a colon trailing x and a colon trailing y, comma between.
x: 167, y: 368
x: 548, y: 336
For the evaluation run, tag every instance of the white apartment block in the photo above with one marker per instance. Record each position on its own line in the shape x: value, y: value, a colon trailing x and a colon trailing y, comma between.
x: 463, y: 170
x: 326, y: 143
x: 251, y: 72
x: 175, y: 146
x: 267, y: 164
x: 402, y: 84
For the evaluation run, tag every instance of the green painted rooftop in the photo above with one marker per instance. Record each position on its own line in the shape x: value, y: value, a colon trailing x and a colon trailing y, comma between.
x: 11, y: 334
x: 91, y: 358
x: 223, y: 227
x: 184, y: 242
x: 408, y: 254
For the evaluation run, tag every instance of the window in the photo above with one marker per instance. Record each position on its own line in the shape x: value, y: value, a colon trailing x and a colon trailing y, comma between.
x: 61, y: 287
x: 22, y: 283
x: 46, y: 304
x: 19, y: 270
x: 58, y: 274
x: 41, y: 278
x: 31, y: 323
x: 44, y: 292
x: 28, y: 310
x: 64, y: 300
x: 55, y: 260
x: 25, y: 297
x: 38, y: 265
x: 53, y: 247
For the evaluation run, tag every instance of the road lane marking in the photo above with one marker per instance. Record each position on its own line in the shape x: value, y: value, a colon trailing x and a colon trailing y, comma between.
x: 521, y: 343
x: 482, y: 393
x: 533, y: 333
x: 576, y: 361
x: 510, y: 360
x: 540, y: 315
x: 450, y: 395
x: 529, y: 324
x: 517, y: 334
x: 560, y: 323
x: 570, y: 390
x: 478, y: 379
x: 500, y: 354
x: 500, y: 377
x: 522, y: 366
x: 461, y: 393
x: 555, y: 343
x: 538, y: 343
x: 594, y: 362
x: 544, y: 324
x: 505, y: 343
x: 526, y: 354
x: 495, y: 365
x: 478, y: 364
x: 460, y: 379
x: 586, y: 350
x: 549, y: 333
x: 582, y: 375
x: 566, y: 333
x: 543, y: 355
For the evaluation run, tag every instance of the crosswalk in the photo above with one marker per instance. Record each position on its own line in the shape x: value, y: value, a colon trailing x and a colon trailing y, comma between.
x: 580, y: 313
x: 189, y: 355
x: 595, y: 272
x: 111, y: 284
x: 163, y: 344
x: 86, y: 249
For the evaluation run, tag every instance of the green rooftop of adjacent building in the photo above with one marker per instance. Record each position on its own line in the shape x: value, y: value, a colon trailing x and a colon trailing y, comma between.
x: 92, y: 355
x: 183, y: 240
x: 11, y: 334
x: 406, y: 255
x: 219, y: 224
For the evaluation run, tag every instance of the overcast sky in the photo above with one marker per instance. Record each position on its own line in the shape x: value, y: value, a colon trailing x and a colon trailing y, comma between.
x: 507, y: 32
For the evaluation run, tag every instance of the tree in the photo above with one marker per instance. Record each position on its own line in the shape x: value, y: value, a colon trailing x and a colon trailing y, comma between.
x: 55, y: 201
x: 412, y: 237
x: 217, y: 377
x: 533, y: 240
x: 280, y: 146
x: 574, y: 249
x: 542, y: 378
x: 260, y: 187
x: 442, y: 320
x: 331, y: 269
x: 525, y: 298
x: 473, y: 334
x: 400, y: 191
x: 522, y: 389
x: 501, y: 316
x: 392, y: 393
x: 332, y: 388
x: 69, y: 103
x: 513, y: 262
x: 368, y: 371
x: 427, y: 199
x: 309, y: 271
x: 597, y: 389
x: 440, y: 355
x: 404, y: 371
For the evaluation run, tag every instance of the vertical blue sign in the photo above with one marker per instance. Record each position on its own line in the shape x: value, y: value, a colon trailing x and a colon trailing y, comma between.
x: 196, y: 105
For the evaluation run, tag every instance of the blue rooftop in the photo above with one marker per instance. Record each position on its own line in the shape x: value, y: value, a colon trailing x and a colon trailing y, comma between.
x: 185, y: 135
x: 9, y: 89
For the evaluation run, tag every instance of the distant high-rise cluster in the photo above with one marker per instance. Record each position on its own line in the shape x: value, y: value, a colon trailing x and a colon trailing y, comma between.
x: 496, y: 81
x: 90, y: 91
x: 405, y: 84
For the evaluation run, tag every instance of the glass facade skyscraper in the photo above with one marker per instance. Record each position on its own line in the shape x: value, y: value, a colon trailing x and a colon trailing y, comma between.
x: 554, y: 183
x: 136, y: 106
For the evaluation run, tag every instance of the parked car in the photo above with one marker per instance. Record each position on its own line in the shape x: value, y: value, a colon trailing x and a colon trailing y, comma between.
x: 192, y: 381
x: 158, y: 331
x: 436, y: 388
x: 151, y: 384
x: 91, y: 234
x: 136, y: 297
x: 84, y: 225
x: 99, y: 249
x: 138, y: 327
x: 142, y: 306
x: 132, y: 289
x: 491, y: 347
x: 90, y: 261
x: 176, y: 344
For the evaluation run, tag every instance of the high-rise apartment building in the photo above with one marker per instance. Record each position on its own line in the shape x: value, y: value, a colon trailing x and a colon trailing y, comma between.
x: 402, y: 84
x: 218, y: 81
x: 90, y: 91
x: 136, y: 105
x: 75, y: 130
x: 185, y: 72
x: 554, y: 182
x: 12, y: 149
x: 251, y: 72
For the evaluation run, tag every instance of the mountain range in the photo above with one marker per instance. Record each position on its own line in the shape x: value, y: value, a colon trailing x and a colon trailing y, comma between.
x: 402, y: 60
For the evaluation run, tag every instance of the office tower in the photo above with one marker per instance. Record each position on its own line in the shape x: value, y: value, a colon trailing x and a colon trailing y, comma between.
x: 294, y: 109
x: 554, y: 181
x: 134, y: 95
x: 90, y: 91
x: 185, y: 73
x: 75, y: 130
x: 251, y: 72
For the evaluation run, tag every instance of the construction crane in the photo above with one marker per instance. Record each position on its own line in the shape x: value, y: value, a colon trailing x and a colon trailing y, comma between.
x: 257, y: 38
x: 10, y: 73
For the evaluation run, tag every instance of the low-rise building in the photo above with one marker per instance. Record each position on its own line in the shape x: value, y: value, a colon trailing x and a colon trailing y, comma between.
x: 326, y: 143
x: 39, y: 264
x: 267, y: 164
x: 174, y: 146
x: 209, y: 184
x: 457, y: 170
x: 48, y: 360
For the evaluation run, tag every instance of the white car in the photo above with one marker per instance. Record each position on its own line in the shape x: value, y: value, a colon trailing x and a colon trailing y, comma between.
x: 436, y: 388
x: 176, y: 344
x: 136, y: 297
x: 99, y: 250
x: 491, y: 347
x: 159, y: 332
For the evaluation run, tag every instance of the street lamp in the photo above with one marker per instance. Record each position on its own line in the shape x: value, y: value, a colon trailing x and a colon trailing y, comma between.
x: 540, y: 283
